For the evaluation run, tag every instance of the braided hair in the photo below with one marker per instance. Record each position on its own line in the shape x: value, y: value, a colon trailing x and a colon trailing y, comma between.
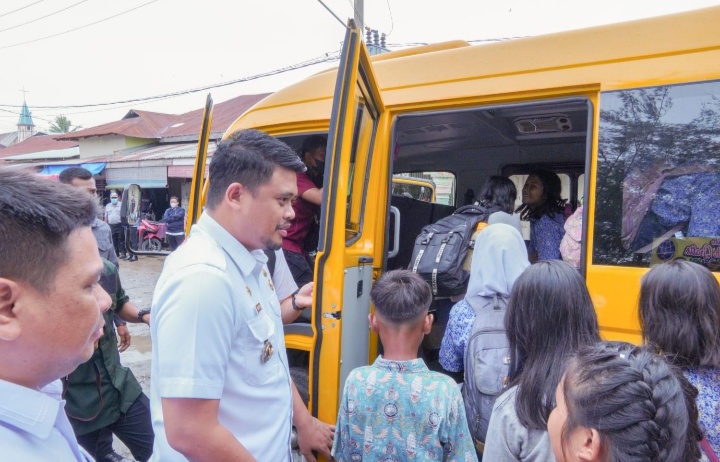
x: 642, y: 407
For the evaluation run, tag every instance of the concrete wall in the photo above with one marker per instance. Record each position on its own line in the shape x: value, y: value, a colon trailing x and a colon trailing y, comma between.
x: 105, y: 145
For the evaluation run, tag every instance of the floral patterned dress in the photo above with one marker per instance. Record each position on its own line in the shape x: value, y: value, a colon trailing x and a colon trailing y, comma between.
x: 400, y: 410
x: 707, y: 381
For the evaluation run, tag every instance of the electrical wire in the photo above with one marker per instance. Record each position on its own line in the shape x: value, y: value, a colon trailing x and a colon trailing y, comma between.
x: 17, y: 113
x: 21, y: 8
x: 78, y: 28
x: 328, y: 57
x: 43, y: 17
x: 392, y: 21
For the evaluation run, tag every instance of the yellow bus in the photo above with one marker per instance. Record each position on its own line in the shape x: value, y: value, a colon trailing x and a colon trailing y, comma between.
x: 628, y: 115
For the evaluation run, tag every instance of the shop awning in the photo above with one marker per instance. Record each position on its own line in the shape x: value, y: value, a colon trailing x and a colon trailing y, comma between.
x: 94, y: 167
x: 145, y: 184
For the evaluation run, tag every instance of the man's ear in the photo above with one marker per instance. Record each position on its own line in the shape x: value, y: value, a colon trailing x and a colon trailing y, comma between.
x: 589, y: 448
x: 373, y: 322
x: 9, y: 325
x: 427, y: 323
x: 235, y: 193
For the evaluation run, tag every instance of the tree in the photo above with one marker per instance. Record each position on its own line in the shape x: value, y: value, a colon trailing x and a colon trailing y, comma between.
x: 62, y: 124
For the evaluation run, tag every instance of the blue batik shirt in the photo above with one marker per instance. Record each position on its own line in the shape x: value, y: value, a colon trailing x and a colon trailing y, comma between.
x: 707, y: 382
x: 400, y: 410
x: 457, y: 333
x: 545, y: 235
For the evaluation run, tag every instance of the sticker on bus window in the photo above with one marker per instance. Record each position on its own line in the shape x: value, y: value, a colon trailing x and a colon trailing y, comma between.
x: 705, y: 251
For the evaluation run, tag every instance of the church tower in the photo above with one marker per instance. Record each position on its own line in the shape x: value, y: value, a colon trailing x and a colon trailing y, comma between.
x: 26, y: 127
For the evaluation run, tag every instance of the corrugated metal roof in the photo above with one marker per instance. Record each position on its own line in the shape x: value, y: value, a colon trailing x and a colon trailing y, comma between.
x: 37, y: 144
x: 8, y: 139
x: 187, y: 127
x: 68, y: 153
x: 161, y: 152
x: 135, y: 124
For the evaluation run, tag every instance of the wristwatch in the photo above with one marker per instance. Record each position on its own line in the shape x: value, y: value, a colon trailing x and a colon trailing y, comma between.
x: 142, y: 313
x: 294, y: 303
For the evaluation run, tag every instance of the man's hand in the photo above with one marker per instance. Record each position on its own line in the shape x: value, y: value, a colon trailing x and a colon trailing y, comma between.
x: 124, y: 336
x: 304, y: 297
x: 314, y: 435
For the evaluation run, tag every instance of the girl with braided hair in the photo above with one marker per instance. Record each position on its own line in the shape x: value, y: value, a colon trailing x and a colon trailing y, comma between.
x: 680, y: 315
x: 618, y: 402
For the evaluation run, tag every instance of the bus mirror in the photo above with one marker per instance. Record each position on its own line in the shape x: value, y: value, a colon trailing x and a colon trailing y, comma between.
x: 130, y: 207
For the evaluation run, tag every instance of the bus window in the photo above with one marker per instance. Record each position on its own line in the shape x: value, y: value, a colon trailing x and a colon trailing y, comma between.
x: 658, y: 176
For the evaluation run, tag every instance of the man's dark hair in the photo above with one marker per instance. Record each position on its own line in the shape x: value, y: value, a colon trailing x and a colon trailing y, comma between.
x: 680, y: 313
x: 549, y: 316
x: 401, y: 296
x: 36, y: 217
x: 69, y: 174
x: 312, y: 143
x: 498, y: 192
x: 248, y: 157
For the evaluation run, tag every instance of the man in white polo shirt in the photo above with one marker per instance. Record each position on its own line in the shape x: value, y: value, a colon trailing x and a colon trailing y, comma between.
x: 51, y: 309
x: 221, y: 388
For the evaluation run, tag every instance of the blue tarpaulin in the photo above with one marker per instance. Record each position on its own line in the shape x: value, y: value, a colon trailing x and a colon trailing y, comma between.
x: 94, y: 167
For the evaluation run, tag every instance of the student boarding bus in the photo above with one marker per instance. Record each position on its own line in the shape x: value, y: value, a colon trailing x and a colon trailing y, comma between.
x: 628, y: 115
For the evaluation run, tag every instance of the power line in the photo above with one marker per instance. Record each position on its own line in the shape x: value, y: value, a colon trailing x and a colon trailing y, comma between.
x: 17, y: 113
x: 328, y: 57
x: 332, y: 13
x: 43, y: 17
x: 21, y: 8
x: 392, y: 21
x: 78, y: 28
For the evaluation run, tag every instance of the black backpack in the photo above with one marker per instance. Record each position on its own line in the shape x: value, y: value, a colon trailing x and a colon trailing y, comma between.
x: 441, y: 248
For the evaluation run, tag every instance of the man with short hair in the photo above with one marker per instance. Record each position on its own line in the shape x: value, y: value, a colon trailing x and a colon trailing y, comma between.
x: 82, y: 178
x: 112, y: 217
x: 222, y: 389
x: 51, y: 310
x: 104, y: 397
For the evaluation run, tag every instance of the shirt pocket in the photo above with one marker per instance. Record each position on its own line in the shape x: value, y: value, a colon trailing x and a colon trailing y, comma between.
x: 255, y: 371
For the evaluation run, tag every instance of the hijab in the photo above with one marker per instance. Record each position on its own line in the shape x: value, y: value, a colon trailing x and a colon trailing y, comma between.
x: 499, y: 258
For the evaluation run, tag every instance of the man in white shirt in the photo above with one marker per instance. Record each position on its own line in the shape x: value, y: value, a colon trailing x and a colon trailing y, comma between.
x: 50, y: 310
x: 222, y: 389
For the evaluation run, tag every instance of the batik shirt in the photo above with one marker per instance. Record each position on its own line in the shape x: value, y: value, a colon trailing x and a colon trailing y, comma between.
x: 545, y: 236
x: 457, y: 332
x: 400, y: 410
x: 707, y: 382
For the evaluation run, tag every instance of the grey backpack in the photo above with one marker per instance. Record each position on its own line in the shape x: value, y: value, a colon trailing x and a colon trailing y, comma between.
x: 487, y: 365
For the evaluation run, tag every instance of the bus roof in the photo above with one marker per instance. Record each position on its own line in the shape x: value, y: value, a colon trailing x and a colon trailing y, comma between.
x: 602, y: 58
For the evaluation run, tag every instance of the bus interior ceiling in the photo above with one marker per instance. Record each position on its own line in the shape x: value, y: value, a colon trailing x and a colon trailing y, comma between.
x: 477, y: 143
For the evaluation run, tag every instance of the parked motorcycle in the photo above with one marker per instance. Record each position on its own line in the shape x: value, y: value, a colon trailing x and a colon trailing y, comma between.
x: 151, y: 234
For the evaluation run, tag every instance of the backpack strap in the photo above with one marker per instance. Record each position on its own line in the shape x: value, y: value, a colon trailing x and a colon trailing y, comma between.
x: 708, y: 450
x: 272, y: 258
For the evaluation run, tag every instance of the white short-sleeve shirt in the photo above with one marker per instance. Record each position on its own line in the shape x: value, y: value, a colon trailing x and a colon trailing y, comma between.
x: 214, y: 307
x: 34, y: 427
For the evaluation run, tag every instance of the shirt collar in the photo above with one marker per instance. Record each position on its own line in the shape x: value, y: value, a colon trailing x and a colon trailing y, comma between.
x: 28, y: 410
x: 414, y: 365
x: 245, y: 260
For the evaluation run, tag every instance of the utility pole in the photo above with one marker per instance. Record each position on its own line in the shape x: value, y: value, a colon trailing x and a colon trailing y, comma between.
x: 359, y: 17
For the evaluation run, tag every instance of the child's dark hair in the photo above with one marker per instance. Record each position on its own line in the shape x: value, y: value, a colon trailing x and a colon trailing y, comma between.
x: 400, y: 296
x: 642, y: 406
x: 498, y: 192
x: 549, y: 316
x: 680, y: 313
x: 552, y: 203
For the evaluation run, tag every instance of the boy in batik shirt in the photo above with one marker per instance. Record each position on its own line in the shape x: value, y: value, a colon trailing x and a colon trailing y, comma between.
x: 397, y: 409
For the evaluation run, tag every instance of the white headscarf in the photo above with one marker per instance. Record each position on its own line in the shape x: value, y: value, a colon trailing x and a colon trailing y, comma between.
x: 500, y: 256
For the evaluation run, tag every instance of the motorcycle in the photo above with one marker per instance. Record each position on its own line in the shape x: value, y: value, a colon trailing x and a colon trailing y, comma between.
x: 151, y: 235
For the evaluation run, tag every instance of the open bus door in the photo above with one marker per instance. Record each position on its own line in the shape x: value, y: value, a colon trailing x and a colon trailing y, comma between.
x: 344, y: 269
x: 132, y: 194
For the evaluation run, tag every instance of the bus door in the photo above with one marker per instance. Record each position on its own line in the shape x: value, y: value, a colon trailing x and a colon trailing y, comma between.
x: 350, y: 209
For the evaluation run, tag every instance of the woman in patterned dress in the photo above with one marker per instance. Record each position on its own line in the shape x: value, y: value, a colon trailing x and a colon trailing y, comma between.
x: 544, y: 208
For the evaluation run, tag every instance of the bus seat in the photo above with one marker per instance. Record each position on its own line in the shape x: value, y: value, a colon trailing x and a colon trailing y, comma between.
x: 440, y: 211
x: 414, y: 215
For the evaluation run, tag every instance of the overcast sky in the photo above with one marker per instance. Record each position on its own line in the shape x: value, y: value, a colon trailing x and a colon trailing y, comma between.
x: 165, y: 46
